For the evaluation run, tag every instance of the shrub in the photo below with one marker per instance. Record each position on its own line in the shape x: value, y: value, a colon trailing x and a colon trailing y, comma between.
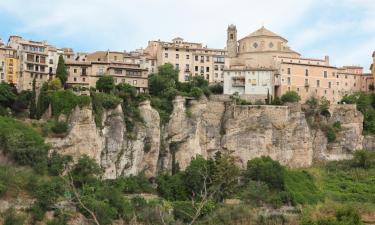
x: 12, y: 218
x: 59, y: 127
x: 105, y: 84
x: 267, y: 170
x: 134, y: 184
x: 329, y: 132
x: 55, y: 84
x: 48, y: 191
x: 362, y: 159
x: 57, y: 163
x: 7, y: 96
x: 277, y: 101
x: 216, y: 88
x: 85, y: 171
x: 255, y: 193
x: 290, y: 96
x: 172, y: 187
x: 63, y: 102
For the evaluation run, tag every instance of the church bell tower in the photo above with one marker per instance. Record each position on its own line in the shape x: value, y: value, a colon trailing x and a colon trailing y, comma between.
x: 232, y: 41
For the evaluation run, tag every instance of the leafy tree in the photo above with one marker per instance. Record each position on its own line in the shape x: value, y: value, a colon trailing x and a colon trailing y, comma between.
x: 22, y: 101
x: 85, y: 171
x: 198, y: 172
x: 362, y: 159
x: 290, y: 96
x: 57, y: 163
x: 105, y: 84
x: 165, y: 79
x: 172, y: 187
x: 267, y: 170
x: 33, y: 110
x: 43, y: 101
x: 225, y: 175
x: 7, y: 96
x: 217, y: 88
x: 55, y: 84
x: 61, y: 71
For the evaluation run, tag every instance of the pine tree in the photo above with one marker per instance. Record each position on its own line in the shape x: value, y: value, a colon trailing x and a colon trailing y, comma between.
x: 33, y: 102
x: 61, y: 72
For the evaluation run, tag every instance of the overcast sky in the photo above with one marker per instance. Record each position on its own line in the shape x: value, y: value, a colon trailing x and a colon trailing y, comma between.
x: 342, y: 29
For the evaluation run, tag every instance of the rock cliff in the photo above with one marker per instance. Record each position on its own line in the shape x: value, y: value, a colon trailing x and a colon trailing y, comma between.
x: 205, y: 127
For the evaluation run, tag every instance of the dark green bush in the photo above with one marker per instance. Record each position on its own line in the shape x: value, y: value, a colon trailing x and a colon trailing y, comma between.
x: 172, y: 187
x: 290, y: 96
x: 134, y: 184
x: 216, y: 88
x: 64, y: 101
x: 59, y: 127
x: 105, y: 84
x: 12, y: 218
x: 267, y: 170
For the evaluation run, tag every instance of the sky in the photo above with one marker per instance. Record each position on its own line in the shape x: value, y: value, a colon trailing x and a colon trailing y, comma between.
x: 342, y: 29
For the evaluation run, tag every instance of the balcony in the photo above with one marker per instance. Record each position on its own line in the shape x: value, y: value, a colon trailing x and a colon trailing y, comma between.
x: 307, y: 85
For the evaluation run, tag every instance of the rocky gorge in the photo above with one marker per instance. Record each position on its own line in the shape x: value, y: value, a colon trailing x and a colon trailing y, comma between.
x: 205, y: 127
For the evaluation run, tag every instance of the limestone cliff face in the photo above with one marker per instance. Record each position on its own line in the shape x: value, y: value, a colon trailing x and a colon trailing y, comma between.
x: 116, y: 150
x: 205, y: 127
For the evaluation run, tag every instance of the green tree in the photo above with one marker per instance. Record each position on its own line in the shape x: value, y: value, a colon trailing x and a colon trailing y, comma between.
x: 43, y: 101
x: 7, y: 97
x: 165, y: 79
x: 33, y: 110
x: 267, y: 170
x: 61, y: 71
x: 290, y: 96
x: 225, y: 176
x: 105, y: 84
x: 196, y: 174
x: 55, y: 84
x: 86, y: 171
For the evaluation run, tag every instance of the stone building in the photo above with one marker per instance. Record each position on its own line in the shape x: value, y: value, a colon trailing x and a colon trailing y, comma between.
x: 33, y: 61
x: 264, y: 50
x: 191, y: 59
x: 85, y: 70
x: 8, y: 64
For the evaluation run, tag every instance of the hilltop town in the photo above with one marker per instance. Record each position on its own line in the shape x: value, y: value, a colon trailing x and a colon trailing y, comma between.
x: 255, y: 66
x: 178, y: 133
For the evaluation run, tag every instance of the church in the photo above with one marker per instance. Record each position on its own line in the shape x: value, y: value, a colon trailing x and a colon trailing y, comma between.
x: 262, y: 64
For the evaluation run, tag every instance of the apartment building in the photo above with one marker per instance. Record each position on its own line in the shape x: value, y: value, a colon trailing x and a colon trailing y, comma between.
x: 264, y: 50
x: 191, y: 59
x: 33, y: 61
x: 8, y: 64
x: 85, y: 71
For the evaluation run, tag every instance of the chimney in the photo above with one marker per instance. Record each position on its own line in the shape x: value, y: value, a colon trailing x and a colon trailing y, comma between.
x: 326, y: 59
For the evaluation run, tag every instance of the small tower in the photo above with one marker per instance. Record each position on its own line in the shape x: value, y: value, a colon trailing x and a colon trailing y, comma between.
x: 232, y: 41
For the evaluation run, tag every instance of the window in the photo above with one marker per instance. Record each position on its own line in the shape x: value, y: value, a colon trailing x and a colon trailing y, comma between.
x: 177, y: 66
x: 196, y: 68
x: 306, y: 81
x: 318, y: 83
x: 84, y: 71
x: 297, y: 89
x: 196, y: 58
x: 134, y: 82
x: 51, y: 61
x: 202, y: 69
x: 216, y: 68
x: 207, y: 77
x: 207, y: 58
x: 288, y: 70
x: 325, y: 74
x: 118, y: 71
x: 165, y: 55
x: 202, y: 58
x: 307, y: 72
x: 207, y: 69
x: 177, y: 56
x: 75, y: 79
x: 187, y: 67
x: 84, y: 79
x: 329, y: 84
x: 75, y: 70
x: 216, y: 75
x: 255, y: 45
x: 231, y: 36
x: 187, y: 56
x: 289, y: 80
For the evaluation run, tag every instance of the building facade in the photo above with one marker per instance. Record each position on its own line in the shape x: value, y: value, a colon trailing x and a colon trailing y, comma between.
x: 191, y: 59
x: 264, y: 50
x: 84, y: 71
x: 33, y: 62
x: 8, y: 65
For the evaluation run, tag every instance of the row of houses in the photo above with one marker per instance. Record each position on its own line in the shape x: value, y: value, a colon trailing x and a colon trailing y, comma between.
x: 257, y: 66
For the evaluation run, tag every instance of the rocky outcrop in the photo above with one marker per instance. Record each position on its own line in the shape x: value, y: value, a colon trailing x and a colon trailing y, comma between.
x: 205, y: 127
x: 118, y: 152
